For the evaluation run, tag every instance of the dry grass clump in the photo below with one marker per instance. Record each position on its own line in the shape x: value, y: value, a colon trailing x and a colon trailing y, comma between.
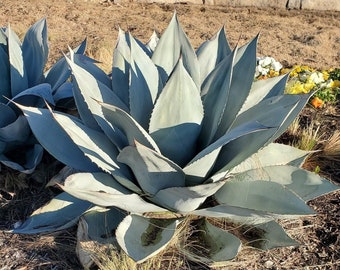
x: 326, y: 160
x: 304, y: 137
x: 173, y: 257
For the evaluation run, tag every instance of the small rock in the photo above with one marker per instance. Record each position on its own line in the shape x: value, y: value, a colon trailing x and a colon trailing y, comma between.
x: 17, y: 224
x: 268, y: 264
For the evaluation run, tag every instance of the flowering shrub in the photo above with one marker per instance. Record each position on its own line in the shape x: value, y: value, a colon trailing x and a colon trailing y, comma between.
x: 267, y: 67
x: 303, y: 79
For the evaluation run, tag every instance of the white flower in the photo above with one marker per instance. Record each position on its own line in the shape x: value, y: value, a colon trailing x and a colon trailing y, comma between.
x: 304, y: 76
x: 276, y: 66
x: 329, y: 83
x: 265, y: 64
x: 265, y: 61
x: 317, y: 77
x: 260, y: 70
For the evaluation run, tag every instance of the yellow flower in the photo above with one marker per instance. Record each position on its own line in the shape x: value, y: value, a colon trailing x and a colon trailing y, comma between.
x: 300, y: 88
x: 335, y: 83
x: 296, y: 88
x: 307, y: 68
x: 308, y: 86
x: 300, y: 69
x: 325, y: 75
x: 297, y: 69
x: 284, y: 71
x: 273, y: 73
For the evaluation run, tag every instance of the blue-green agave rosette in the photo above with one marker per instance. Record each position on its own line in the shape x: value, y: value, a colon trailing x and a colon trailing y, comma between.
x: 171, y: 133
x: 24, y: 80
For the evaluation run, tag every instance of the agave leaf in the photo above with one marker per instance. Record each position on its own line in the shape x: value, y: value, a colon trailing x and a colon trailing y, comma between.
x: 292, y: 115
x: 95, y: 227
x: 89, y: 65
x: 92, y: 88
x: 2, y: 147
x: 201, y: 165
x: 7, y: 115
x: 267, y: 236
x: 35, y: 52
x: 5, y: 84
x: 60, y: 72
x: 306, y: 184
x: 122, y: 64
x: 87, y: 92
x: 123, y: 44
x: 60, y: 177
x: 32, y: 156
x: 153, y: 171
x: 262, y: 196
x: 271, y: 155
x: 64, y: 91
x: 186, y: 199
x: 177, y: 115
x: 143, y: 46
x: 132, y: 130
x: 124, y: 178
x: 172, y: 45
x: 36, y: 96
x: 101, y: 189
x: 128, y: 202
x: 96, y: 187
x: 19, y: 79
x: 142, y: 238
x: 212, y: 52
x: 3, y: 39
x: 263, y: 89
x: 97, y: 181
x: 278, y: 108
x: 238, y: 150
x: 242, y: 79
x: 144, y: 85
x: 60, y: 144
x: 221, y: 245
x: 95, y: 145
x: 83, y: 108
x: 235, y: 214
x: 121, y: 67
x: 17, y: 131
x: 62, y: 212
x: 152, y: 42
x: 215, y: 91
x: 81, y: 48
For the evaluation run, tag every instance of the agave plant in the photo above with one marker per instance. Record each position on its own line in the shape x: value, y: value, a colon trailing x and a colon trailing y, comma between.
x: 23, y: 80
x: 174, y: 133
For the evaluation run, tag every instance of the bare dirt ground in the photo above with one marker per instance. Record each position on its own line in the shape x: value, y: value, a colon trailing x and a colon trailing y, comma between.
x: 290, y: 36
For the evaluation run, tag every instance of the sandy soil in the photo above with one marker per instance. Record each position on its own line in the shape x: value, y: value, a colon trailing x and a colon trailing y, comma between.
x: 290, y: 36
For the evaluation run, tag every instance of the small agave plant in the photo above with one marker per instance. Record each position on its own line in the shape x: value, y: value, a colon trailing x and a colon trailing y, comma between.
x: 173, y: 133
x: 22, y: 80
